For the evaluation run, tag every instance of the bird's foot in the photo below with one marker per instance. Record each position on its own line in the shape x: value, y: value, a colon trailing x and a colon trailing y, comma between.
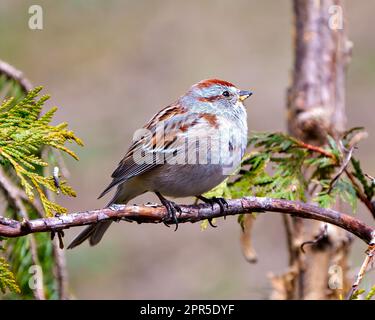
x: 172, y: 210
x: 223, y: 204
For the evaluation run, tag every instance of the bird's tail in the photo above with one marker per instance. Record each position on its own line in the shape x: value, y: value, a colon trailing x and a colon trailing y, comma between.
x: 95, y: 231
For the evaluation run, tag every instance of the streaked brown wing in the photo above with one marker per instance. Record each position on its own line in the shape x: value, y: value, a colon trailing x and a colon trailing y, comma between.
x: 175, y: 123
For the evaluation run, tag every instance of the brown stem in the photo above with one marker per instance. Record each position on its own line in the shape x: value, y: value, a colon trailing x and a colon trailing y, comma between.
x: 361, y: 195
x: 341, y: 170
x: 313, y: 148
x: 193, y: 213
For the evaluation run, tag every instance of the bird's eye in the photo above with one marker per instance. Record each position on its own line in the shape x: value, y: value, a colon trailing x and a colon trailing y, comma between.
x: 226, y: 93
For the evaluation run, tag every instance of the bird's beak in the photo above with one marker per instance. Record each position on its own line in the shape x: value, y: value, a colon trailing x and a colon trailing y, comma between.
x: 244, y: 94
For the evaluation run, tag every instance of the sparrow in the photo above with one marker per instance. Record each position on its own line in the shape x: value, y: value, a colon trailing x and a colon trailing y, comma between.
x: 185, y: 150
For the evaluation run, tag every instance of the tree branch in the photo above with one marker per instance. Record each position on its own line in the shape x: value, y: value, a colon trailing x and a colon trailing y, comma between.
x: 193, y: 213
x: 12, y: 73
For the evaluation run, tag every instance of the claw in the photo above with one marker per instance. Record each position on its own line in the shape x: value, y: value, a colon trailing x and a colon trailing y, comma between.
x: 172, y: 209
x: 163, y: 220
x: 211, y: 223
x: 220, y: 201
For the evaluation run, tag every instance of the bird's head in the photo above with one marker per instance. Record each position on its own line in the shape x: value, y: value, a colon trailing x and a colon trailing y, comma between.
x: 218, y: 93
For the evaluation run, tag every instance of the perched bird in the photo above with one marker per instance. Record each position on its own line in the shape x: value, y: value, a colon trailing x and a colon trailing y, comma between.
x: 185, y: 150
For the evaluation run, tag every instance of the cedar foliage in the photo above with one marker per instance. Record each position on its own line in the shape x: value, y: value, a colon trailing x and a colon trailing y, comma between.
x: 24, y: 132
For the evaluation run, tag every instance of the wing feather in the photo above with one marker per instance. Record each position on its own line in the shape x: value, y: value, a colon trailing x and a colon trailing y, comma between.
x: 174, y: 121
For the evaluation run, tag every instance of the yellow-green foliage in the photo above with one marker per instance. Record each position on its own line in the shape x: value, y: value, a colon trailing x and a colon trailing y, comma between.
x: 23, y: 132
x: 371, y: 293
x: 280, y: 166
x: 7, y: 280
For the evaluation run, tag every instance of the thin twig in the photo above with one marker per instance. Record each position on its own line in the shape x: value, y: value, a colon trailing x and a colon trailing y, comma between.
x: 370, y: 177
x: 194, y: 213
x: 370, y: 253
x: 313, y: 148
x: 341, y: 170
x: 360, y: 193
x: 12, y: 73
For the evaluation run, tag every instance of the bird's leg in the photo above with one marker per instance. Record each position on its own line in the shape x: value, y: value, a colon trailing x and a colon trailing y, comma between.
x: 220, y: 201
x: 172, y: 209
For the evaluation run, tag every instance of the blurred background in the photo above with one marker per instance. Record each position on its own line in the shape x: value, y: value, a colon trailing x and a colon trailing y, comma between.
x: 110, y: 65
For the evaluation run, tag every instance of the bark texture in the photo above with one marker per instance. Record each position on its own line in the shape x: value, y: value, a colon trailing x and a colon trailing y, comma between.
x: 316, y: 108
